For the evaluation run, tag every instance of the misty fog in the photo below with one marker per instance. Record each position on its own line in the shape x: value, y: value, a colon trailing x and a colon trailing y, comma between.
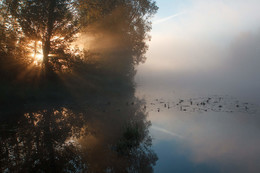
x: 201, y: 50
x: 208, y: 48
x: 130, y: 86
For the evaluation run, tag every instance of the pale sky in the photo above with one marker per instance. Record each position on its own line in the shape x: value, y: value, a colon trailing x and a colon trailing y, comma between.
x: 201, y: 48
x: 200, y: 42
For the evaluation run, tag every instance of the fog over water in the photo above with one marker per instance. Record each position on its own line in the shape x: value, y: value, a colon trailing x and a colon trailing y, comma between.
x: 104, y: 102
x: 203, y: 49
x: 210, y: 47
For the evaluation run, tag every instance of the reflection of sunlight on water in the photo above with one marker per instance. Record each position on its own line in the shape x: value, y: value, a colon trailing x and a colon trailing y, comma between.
x: 35, y: 118
x: 72, y: 141
x: 117, y: 138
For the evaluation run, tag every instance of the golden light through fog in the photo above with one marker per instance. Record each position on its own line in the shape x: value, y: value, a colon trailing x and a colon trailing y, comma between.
x: 37, y: 56
x: 36, y: 52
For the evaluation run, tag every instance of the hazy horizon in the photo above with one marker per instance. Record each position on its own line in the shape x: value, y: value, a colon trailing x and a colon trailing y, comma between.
x: 205, y: 45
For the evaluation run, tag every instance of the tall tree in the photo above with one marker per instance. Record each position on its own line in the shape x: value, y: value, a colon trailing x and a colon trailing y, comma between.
x: 130, y: 18
x: 52, y: 22
x: 55, y: 24
x: 120, y: 31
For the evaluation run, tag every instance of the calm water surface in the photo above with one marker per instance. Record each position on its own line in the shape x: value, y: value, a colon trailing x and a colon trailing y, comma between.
x: 200, y: 129
x: 96, y: 135
x: 149, y: 130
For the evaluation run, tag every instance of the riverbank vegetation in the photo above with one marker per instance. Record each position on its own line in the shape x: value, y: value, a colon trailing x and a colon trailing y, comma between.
x: 56, y: 50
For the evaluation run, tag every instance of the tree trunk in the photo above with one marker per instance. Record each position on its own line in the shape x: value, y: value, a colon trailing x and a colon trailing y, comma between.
x: 48, y: 35
x: 35, y: 50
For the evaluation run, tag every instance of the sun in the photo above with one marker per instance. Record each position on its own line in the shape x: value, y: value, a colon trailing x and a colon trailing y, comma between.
x: 36, y: 52
x: 37, y: 57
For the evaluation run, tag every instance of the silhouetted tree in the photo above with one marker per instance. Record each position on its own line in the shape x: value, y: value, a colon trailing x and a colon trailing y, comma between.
x: 127, y: 21
x: 120, y: 28
x: 56, y: 23
x: 52, y: 22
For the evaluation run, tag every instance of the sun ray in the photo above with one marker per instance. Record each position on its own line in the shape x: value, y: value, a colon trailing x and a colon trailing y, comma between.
x: 35, y: 47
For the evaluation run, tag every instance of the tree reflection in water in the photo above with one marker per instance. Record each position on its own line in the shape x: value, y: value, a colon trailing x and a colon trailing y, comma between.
x: 106, y: 138
x: 86, y: 124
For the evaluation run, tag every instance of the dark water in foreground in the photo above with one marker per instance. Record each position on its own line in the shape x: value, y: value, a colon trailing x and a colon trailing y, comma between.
x: 109, y: 135
x: 141, y: 131
x: 202, y: 134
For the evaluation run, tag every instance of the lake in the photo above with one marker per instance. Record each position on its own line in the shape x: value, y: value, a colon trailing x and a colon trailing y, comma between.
x: 201, y: 123
x: 102, y: 102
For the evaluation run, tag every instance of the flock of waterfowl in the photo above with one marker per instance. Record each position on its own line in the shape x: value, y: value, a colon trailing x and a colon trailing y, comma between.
x: 203, y: 104
x: 200, y: 104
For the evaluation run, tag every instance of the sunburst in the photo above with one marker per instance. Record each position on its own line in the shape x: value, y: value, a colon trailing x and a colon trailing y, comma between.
x: 37, y: 54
